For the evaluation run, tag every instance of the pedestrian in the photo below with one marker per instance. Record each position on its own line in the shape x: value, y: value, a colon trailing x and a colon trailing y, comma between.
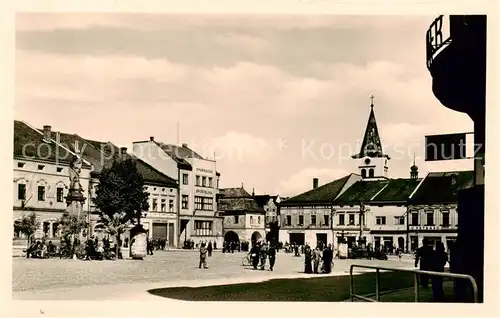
x: 271, y: 252
x: 439, y: 260
x: 316, y: 259
x: 254, y: 255
x: 328, y: 259
x: 203, y: 256
x: 215, y: 245
x: 308, y: 259
x: 209, y: 249
x: 263, y: 256
x: 424, y: 256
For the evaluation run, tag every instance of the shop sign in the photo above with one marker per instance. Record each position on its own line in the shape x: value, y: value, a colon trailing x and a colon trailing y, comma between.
x: 203, y: 191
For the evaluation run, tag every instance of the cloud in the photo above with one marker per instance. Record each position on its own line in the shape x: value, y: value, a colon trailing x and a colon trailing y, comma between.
x: 235, y: 147
x: 302, y: 180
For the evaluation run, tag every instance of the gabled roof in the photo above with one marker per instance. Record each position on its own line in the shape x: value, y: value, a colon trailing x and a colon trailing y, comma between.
x: 361, y: 191
x: 29, y: 144
x: 324, y: 194
x: 371, y: 146
x: 179, y: 152
x: 263, y: 199
x: 397, y: 190
x: 238, y: 204
x: 110, y: 152
x: 442, y: 187
x: 234, y: 193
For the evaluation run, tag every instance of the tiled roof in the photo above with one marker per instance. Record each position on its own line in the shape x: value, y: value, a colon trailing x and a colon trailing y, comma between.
x: 361, y: 191
x: 234, y: 193
x: 28, y: 143
x: 91, y: 151
x: 397, y: 190
x: 323, y: 194
x: 262, y: 200
x: 150, y: 174
x: 442, y: 187
x: 238, y: 205
x: 179, y: 152
x: 153, y: 176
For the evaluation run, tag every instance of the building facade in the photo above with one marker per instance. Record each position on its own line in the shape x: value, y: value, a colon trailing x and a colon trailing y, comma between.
x: 41, y: 181
x: 432, y: 210
x: 307, y: 217
x: 198, y: 180
x: 244, y: 219
x: 41, y: 178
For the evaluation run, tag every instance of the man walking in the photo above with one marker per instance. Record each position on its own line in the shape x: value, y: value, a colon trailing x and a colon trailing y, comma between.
x: 271, y: 252
x: 425, y: 256
x: 203, y: 256
x: 263, y: 256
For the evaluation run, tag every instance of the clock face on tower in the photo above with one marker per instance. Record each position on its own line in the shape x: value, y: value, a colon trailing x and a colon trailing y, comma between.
x: 367, y: 161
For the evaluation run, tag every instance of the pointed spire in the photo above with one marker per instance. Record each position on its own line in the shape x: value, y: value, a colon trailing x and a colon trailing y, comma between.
x: 371, y: 146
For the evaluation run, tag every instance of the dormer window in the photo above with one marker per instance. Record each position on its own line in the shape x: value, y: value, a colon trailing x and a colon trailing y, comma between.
x: 20, y: 164
x: 41, y: 167
x: 59, y: 169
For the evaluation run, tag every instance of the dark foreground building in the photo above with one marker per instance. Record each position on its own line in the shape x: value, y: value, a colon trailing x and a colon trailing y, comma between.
x: 457, y: 65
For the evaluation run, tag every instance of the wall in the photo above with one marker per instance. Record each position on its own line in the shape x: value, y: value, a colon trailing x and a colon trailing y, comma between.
x: 203, y: 169
x: 306, y: 211
x: 152, y: 154
x: 51, y: 179
x: 438, y: 230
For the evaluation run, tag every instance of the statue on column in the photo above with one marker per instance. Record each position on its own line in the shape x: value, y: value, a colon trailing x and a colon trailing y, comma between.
x: 75, y: 168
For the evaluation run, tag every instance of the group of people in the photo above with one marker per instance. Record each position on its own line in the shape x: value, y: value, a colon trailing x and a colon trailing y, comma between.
x: 41, y: 249
x: 260, y: 252
x: 319, y: 260
x: 435, y: 260
x: 96, y: 249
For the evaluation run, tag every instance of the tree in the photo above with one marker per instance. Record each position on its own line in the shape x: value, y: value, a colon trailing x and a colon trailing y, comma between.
x: 121, y: 196
x: 116, y: 225
x: 27, y: 225
x: 71, y: 225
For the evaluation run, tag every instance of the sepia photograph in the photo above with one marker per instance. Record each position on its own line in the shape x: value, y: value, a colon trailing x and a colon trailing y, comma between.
x: 177, y: 157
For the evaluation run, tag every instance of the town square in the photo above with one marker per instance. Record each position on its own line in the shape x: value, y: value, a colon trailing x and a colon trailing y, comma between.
x: 249, y: 158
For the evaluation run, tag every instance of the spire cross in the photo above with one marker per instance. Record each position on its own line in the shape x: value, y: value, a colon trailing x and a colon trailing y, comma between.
x: 372, y: 98
x: 413, y: 158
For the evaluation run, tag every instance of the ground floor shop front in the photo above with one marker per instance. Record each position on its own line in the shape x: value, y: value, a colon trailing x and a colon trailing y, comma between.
x: 201, y: 229
x: 447, y: 239
x: 301, y: 237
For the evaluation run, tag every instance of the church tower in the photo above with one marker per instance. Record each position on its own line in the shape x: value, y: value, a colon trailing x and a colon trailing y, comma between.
x: 372, y: 162
x: 414, y: 170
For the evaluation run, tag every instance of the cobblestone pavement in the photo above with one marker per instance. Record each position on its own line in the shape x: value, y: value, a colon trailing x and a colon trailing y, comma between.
x: 169, y: 267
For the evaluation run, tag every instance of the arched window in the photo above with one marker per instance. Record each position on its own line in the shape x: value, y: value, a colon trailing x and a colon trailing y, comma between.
x: 371, y: 173
x: 363, y: 173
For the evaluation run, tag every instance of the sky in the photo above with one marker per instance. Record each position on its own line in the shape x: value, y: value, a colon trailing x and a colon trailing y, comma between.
x: 277, y: 100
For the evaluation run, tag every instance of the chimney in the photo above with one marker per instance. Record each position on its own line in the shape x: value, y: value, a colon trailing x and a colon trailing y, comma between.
x: 151, y: 138
x: 47, y: 133
x: 315, y: 183
x: 123, y: 151
x: 184, y: 145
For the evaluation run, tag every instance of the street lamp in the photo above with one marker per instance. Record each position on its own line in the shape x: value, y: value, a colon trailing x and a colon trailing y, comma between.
x: 332, y: 215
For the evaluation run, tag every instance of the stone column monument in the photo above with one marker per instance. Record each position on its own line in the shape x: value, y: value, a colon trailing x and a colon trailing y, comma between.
x: 75, y: 198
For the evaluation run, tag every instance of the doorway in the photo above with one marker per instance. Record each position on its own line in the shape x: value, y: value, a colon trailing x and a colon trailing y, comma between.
x: 321, y: 239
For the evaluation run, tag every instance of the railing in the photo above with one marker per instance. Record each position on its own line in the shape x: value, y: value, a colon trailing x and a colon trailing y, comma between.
x: 415, y: 272
x: 434, y: 40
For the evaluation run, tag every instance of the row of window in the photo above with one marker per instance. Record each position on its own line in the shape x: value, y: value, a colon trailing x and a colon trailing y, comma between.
x: 314, y: 220
x: 203, y: 228
x: 200, y: 181
x: 163, y: 205
x: 203, y: 203
x: 429, y: 219
x: 39, y: 167
x: 41, y: 193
